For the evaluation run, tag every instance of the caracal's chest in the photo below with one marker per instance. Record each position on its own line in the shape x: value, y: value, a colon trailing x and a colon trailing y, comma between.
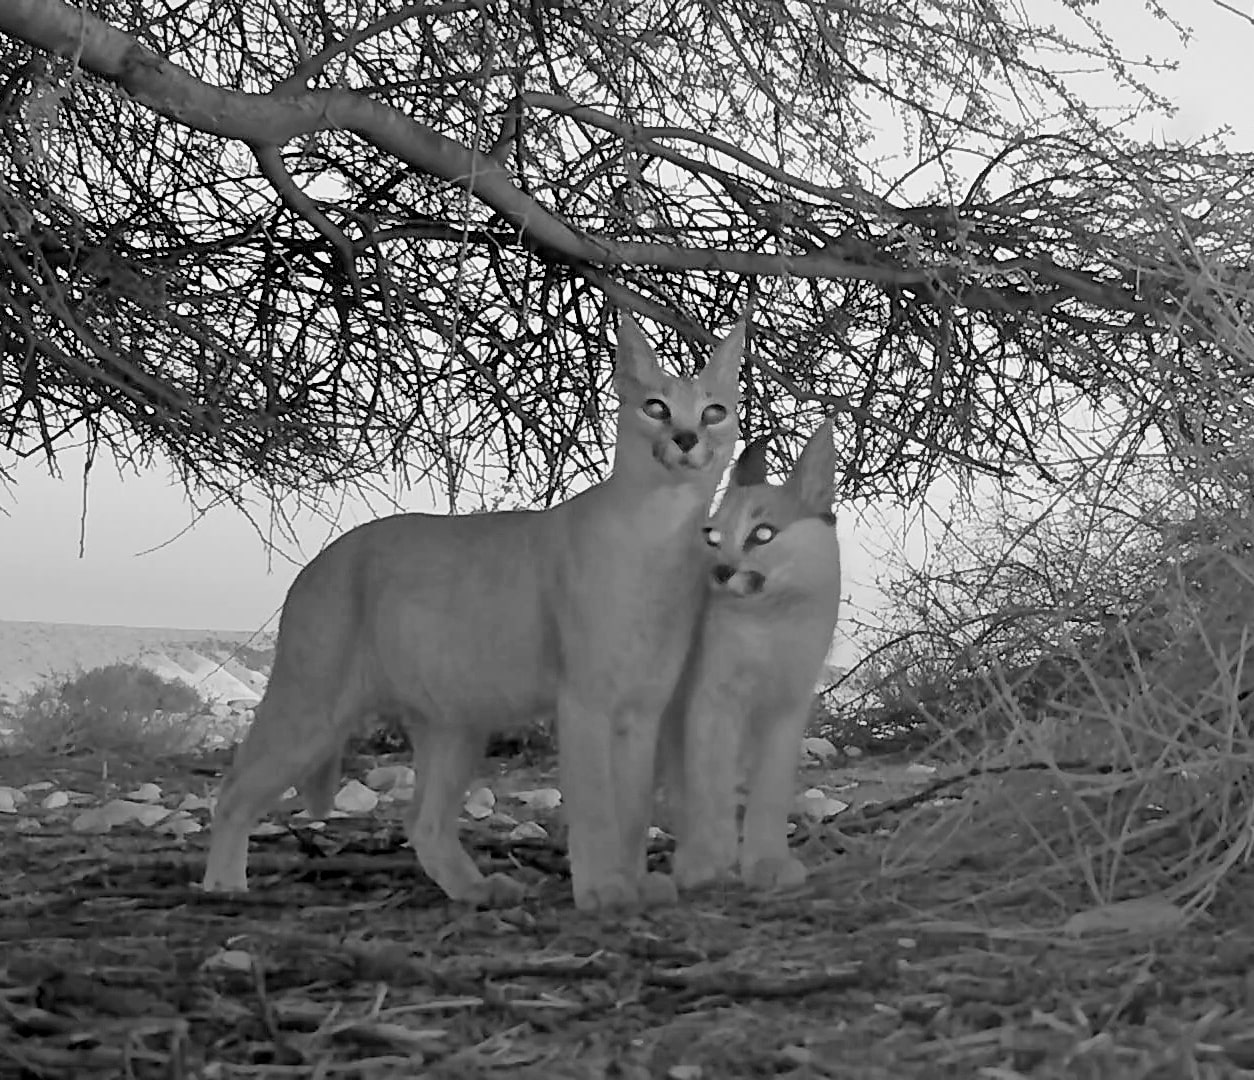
x: 633, y: 580
x: 763, y: 653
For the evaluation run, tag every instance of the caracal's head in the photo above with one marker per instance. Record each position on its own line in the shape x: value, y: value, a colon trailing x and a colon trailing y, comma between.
x: 686, y: 427
x: 777, y: 540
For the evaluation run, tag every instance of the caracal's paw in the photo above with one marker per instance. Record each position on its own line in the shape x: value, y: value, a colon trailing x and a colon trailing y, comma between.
x: 226, y: 868
x: 611, y: 894
x: 658, y: 890
x: 213, y: 883
x: 696, y: 867
x: 774, y: 872
x: 495, y: 891
x: 620, y: 894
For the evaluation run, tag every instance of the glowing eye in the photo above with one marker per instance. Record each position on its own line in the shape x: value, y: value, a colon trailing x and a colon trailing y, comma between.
x: 656, y: 409
x: 762, y: 534
x: 712, y: 536
x: 713, y: 414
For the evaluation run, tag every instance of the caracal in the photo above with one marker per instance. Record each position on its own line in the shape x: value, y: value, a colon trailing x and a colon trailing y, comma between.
x: 467, y: 624
x: 741, y: 711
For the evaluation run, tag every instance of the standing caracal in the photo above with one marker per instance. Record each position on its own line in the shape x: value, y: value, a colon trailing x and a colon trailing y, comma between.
x: 774, y: 580
x: 469, y: 623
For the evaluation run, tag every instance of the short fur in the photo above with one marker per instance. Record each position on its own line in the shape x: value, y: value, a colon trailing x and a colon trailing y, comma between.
x: 774, y: 580
x: 467, y: 624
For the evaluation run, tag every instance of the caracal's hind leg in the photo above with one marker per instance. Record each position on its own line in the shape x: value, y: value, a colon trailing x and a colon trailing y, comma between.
x: 708, y: 837
x: 319, y: 786
x: 293, y: 736
x: 445, y: 757
x: 765, y: 861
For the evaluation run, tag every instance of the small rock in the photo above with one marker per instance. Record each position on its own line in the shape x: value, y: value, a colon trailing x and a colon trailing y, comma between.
x: 823, y: 749
x: 355, y: 798
x: 148, y: 793
x: 179, y: 824
x: 390, y: 776
x: 818, y: 805
x: 229, y: 960
x: 480, y: 803
x: 548, y: 798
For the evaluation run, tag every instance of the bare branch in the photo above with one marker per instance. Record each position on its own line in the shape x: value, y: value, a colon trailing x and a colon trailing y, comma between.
x: 272, y: 168
x: 315, y: 65
x: 1018, y: 262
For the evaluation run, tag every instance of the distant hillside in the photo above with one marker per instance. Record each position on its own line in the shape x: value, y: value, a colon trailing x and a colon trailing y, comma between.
x: 223, y: 665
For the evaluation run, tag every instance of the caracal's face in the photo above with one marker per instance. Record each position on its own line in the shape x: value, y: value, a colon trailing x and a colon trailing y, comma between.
x: 690, y: 425
x: 687, y: 424
x: 763, y: 542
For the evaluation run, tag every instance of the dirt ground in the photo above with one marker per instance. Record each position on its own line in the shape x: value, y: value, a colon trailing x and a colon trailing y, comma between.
x: 344, y: 961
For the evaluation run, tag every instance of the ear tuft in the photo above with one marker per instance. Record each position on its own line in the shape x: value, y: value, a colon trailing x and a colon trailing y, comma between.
x: 813, y: 478
x: 750, y: 468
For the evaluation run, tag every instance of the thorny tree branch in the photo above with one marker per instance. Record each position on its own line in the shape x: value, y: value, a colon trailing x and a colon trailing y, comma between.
x: 260, y: 260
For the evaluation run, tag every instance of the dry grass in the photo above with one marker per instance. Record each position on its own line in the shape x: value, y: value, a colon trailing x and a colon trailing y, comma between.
x: 1150, y: 756
x: 346, y: 962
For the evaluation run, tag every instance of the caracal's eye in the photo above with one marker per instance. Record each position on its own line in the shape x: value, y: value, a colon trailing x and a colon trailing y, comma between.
x: 712, y: 536
x: 763, y: 534
x: 713, y: 414
x: 656, y: 409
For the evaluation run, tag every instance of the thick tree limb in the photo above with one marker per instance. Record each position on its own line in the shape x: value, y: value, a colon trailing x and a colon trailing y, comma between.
x: 258, y: 119
x: 275, y: 118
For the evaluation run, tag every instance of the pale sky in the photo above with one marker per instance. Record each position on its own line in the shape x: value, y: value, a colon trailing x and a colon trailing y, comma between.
x: 218, y: 575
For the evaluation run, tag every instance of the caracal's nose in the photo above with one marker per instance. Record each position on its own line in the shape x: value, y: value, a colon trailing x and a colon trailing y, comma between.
x: 685, y: 440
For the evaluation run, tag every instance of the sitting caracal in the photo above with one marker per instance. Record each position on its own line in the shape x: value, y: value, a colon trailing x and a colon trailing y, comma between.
x: 774, y: 580
x: 466, y: 624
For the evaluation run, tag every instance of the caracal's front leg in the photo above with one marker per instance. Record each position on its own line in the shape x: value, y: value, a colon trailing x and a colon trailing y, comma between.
x: 634, y: 733
x: 598, y: 873
x: 707, y: 835
x: 765, y: 861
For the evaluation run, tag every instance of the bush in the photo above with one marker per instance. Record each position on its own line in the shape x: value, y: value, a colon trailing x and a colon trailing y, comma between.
x: 1087, y: 663
x: 119, y: 708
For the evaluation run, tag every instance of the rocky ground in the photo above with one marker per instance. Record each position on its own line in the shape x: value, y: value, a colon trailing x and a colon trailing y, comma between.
x: 345, y: 961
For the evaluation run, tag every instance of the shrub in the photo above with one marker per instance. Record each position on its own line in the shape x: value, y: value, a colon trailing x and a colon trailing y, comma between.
x: 118, y: 708
x: 1087, y: 663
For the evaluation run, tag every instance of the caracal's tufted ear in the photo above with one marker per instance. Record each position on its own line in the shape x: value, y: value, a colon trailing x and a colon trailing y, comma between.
x: 750, y: 468
x: 813, y: 478
x: 722, y: 370
x: 635, y: 361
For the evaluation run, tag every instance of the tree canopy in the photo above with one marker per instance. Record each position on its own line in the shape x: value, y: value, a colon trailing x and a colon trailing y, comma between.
x: 299, y: 242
